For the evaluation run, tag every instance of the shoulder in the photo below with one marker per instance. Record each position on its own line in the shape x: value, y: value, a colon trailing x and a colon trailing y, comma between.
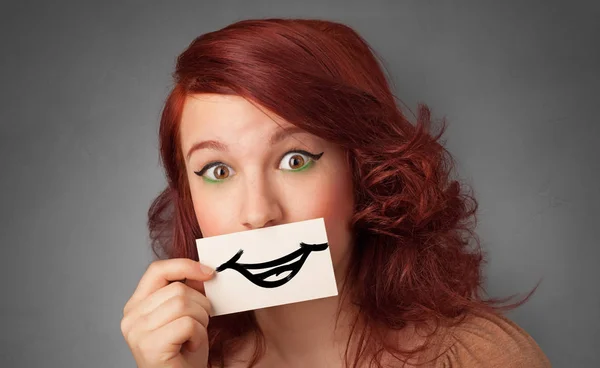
x: 489, y: 340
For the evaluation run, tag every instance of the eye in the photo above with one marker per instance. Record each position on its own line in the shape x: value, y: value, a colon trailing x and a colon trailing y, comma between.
x: 215, y: 172
x: 298, y: 160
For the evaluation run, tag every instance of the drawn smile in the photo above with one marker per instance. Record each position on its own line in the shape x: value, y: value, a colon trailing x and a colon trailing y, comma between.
x: 280, y: 265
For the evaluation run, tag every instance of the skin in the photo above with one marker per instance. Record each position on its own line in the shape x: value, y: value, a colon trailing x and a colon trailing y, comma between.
x: 262, y: 181
x: 261, y: 185
x: 262, y: 189
x: 164, y: 322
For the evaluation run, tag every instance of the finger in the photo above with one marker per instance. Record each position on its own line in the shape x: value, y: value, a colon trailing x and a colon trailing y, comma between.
x: 172, y: 309
x: 161, y: 273
x: 199, y: 338
x: 178, y: 332
x: 172, y: 290
x: 149, y: 304
x: 196, y: 285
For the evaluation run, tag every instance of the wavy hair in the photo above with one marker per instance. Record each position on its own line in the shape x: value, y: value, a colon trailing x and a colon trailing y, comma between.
x: 413, y: 222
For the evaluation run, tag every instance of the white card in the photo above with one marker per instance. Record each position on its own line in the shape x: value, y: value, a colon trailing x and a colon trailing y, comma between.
x: 267, y: 267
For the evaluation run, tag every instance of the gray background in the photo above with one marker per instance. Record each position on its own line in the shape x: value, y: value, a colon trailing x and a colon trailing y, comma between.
x: 81, y: 91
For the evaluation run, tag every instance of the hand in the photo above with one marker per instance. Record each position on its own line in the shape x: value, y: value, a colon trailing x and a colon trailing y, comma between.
x: 164, y: 322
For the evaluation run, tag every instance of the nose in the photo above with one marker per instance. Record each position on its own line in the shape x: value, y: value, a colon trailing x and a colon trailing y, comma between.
x: 260, y: 207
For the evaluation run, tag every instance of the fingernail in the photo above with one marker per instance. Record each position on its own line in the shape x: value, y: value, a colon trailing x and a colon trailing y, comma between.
x: 206, y: 270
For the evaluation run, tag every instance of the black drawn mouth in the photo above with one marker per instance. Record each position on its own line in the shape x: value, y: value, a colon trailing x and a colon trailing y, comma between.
x: 280, y: 265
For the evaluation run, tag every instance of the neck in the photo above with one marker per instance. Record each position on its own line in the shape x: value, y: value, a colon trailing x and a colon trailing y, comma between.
x: 312, y: 333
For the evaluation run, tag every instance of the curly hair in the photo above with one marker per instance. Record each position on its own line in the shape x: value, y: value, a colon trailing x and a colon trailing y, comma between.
x: 413, y: 222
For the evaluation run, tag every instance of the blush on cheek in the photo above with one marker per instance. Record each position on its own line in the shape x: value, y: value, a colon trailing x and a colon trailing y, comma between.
x: 208, y: 221
x: 337, y: 212
x: 339, y: 241
x: 215, y: 212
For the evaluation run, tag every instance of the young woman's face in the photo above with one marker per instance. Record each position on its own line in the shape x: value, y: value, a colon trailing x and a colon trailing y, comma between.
x: 246, y: 171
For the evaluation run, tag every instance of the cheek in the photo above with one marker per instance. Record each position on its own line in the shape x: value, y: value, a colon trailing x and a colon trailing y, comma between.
x: 331, y: 199
x: 213, y: 212
x: 338, y: 217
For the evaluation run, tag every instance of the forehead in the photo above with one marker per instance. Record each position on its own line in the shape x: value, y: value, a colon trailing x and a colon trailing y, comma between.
x: 211, y: 114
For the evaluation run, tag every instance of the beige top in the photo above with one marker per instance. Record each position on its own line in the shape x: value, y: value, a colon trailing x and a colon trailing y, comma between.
x: 489, y: 341
x: 480, y: 341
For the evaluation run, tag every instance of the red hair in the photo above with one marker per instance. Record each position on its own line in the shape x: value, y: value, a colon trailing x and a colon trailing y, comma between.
x: 416, y: 258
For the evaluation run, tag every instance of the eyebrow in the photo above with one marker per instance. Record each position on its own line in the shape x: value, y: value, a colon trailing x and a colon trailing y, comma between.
x: 215, y: 145
x: 277, y: 137
x: 282, y: 133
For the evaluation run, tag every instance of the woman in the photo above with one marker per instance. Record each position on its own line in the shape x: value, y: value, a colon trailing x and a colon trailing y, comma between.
x: 277, y: 121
